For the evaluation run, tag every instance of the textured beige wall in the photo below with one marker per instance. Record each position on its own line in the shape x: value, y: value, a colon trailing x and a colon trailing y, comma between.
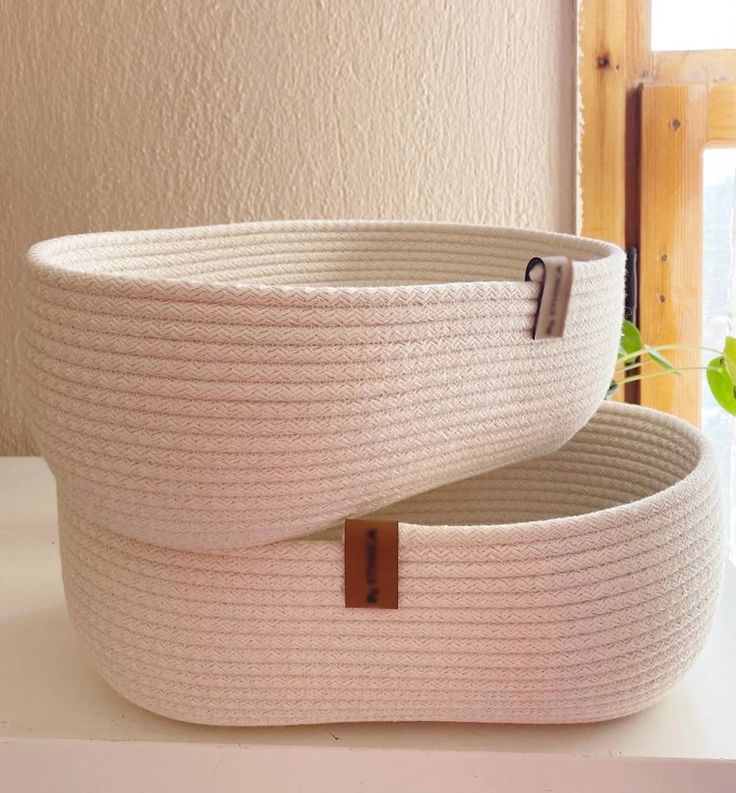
x: 152, y: 113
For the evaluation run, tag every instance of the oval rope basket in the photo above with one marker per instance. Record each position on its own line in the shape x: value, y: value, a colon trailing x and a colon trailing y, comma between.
x: 222, y: 387
x: 575, y: 587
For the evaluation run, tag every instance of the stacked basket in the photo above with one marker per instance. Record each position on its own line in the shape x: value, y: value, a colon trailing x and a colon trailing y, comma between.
x: 209, y: 399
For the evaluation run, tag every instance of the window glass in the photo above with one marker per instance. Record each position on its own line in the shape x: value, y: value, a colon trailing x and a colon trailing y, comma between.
x: 719, y: 308
x: 693, y: 24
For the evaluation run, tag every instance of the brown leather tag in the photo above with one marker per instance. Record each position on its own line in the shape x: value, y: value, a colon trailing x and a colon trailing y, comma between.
x: 371, y: 564
x: 554, y: 299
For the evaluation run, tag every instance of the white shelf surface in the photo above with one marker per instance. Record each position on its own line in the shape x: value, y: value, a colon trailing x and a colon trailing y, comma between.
x: 50, y: 696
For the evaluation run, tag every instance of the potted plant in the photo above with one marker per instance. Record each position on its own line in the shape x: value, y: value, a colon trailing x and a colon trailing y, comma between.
x: 635, y: 355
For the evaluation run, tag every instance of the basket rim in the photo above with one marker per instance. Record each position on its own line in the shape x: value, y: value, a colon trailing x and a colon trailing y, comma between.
x: 50, y: 257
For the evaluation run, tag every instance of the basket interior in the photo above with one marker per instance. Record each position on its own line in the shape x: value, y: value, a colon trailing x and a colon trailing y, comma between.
x: 616, y: 459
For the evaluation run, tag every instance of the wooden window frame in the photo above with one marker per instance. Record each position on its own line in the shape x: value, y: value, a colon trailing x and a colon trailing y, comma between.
x: 645, y: 118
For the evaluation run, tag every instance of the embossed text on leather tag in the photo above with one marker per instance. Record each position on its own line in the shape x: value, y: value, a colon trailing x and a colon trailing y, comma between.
x: 371, y: 563
x: 556, y: 272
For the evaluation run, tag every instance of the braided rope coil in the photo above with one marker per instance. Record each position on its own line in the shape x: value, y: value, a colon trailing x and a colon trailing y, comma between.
x: 574, y: 587
x: 222, y: 387
x: 201, y: 392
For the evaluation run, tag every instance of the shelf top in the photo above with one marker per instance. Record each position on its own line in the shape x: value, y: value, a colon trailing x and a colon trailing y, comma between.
x: 50, y: 691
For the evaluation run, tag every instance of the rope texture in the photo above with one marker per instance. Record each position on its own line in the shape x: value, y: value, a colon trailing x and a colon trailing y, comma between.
x: 574, y: 587
x: 222, y: 387
x: 201, y: 392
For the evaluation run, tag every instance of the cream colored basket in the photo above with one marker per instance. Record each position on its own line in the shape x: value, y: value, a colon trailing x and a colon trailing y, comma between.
x: 222, y: 387
x: 576, y: 587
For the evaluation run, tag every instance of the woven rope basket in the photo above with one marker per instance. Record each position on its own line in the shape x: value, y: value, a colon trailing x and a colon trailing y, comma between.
x: 222, y: 387
x: 575, y: 587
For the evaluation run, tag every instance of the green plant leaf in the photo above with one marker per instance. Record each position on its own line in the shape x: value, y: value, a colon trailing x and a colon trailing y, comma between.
x: 721, y: 385
x: 729, y: 354
x: 630, y: 338
x: 662, y: 360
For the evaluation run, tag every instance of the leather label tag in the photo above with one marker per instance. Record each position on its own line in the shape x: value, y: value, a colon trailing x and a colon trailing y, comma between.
x: 371, y: 563
x: 556, y: 272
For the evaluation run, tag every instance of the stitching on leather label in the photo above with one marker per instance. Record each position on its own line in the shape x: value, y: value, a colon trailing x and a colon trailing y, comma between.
x: 371, y: 563
x: 554, y: 298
